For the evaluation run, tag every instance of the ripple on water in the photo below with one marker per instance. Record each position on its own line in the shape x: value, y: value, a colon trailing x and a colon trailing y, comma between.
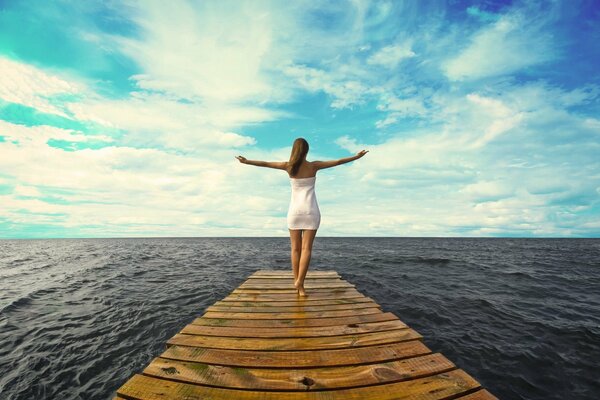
x: 78, y: 317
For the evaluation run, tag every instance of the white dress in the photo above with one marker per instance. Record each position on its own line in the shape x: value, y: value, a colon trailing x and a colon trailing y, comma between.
x: 303, y: 212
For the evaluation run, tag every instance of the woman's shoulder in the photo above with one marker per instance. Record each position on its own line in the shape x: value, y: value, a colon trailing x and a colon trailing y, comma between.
x: 312, y: 165
x: 307, y: 169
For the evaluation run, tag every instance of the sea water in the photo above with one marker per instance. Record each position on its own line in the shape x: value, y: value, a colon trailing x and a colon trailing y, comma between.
x: 78, y: 317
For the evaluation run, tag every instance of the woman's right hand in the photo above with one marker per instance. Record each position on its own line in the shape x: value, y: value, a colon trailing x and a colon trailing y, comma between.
x: 361, y: 153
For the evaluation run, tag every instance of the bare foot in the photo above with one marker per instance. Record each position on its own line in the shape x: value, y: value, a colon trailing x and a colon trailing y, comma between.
x: 299, y: 288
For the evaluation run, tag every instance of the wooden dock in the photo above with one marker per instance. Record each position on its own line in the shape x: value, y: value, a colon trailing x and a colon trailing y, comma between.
x: 266, y: 342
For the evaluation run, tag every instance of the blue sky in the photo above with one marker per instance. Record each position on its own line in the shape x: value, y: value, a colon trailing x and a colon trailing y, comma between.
x: 122, y: 118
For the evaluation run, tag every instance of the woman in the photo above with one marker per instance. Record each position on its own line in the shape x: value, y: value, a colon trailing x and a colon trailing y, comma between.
x: 304, y: 217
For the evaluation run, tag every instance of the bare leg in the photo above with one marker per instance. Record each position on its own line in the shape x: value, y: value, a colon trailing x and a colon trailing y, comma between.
x: 308, y: 238
x: 296, y: 247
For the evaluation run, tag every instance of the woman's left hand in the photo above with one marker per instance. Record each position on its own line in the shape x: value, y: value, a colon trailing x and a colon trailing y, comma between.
x: 242, y: 159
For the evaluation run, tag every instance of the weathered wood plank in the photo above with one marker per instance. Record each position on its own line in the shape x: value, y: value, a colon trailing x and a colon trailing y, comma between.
x: 291, y: 277
x: 294, y: 303
x: 288, y: 272
x: 435, y: 387
x: 295, y: 323
x: 293, y: 309
x: 285, y: 285
x: 304, y: 343
x: 348, y: 294
x: 348, y: 329
x: 264, y: 341
x: 299, y: 379
x: 299, y: 359
x: 293, y: 290
x: 291, y: 280
x: 291, y: 315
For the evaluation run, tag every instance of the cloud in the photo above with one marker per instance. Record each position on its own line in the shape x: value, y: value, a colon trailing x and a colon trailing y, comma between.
x: 28, y: 191
x: 495, y: 160
x: 391, y: 56
x: 348, y: 143
x: 502, y: 118
x: 40, y: 135
x: 28, y: 85
x: 400, y: 108
x: 158, y: 120
x: 136, y: 190
x: 484, y: 191
x: 346, y: 91
x: 472, y: 141
x: 211, y: 53
x: 517, y: 40
x: 481, y: 14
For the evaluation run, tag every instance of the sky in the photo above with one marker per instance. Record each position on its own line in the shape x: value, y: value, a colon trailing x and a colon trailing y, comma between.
x: 123, y: 118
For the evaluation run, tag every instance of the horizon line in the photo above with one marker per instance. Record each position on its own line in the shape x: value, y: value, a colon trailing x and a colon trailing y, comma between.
x: 286, y: 237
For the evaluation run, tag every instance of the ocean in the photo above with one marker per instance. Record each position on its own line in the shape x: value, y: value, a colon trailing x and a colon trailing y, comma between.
x: 79, y: 316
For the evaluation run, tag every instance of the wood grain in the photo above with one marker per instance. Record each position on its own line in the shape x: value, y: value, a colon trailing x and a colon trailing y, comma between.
x: 264, y: 341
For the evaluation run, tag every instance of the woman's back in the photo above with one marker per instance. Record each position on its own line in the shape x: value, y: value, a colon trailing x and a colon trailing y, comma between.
x: 306, y: 170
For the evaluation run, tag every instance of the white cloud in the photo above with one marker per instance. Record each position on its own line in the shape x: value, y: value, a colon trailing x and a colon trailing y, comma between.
x: 210, y: 52
x: 346, y: 142
x: 495, y: 159
x: 391, y: 56
x: 501, y: 117
x: 517, y: 40
x: 118, y: 186
x: 39, y: 135
x: 484, y: 169
x: 346, y: 90
x: 28, y: 191
x: 390, y: 119
x: 158, y: 120
x: 32, y: 87
x: 486, y: 190
x: 400, y: 108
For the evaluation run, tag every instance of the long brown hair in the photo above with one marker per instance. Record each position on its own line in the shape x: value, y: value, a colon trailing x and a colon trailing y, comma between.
x: 299, y: 151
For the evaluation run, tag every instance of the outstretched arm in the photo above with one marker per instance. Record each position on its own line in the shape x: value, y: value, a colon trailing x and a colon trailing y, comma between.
x: 268, y: 164
x: 333, y: 163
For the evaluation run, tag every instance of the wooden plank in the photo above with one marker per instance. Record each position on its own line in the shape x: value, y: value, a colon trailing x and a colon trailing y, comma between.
x: 293, y: 332
x: 292, y: 315
x: 288, y: 272
x: 434, y: 387
x: 291, y: 277
x: 299, y: 379
x: 296, y: 308
x: 297, y: 323
x: 347, y: 294
x: 312, y: 271
x: 304, y: 343
x: 264, y: 341
x: 291, y: 280
x: 294, y: 303
x: 285, y: 285
x: 303, y: 359
x: 292, y: 291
